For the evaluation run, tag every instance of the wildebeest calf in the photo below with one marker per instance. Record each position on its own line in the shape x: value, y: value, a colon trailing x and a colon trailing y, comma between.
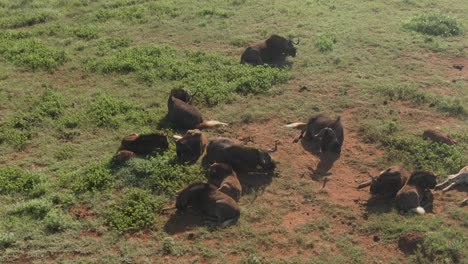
x: 241, y: 158
x: 388, y: 182
x: 191, y: 146
x: 213, y: 203
x: 225, y: 178
x: 144, y: 144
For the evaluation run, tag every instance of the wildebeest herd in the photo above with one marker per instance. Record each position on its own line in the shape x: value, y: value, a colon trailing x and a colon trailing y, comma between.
x: 223, y: 158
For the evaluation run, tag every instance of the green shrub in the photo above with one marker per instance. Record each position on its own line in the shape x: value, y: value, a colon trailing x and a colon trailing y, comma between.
x: 56, y: 221
x: 104, y: 111
x: 444, y: 245
x: 6, y: 240
x: 14, y: 180
x: 31, y: 53
x: 64, y: 153
x: 135, y: 211
x: 50, y: 104
x: 23, y: 19
x: 413, y: 94
x: 35, y: 208
x: 86, y: 32
x: 216, y: 78
x: 325, y: 42
x: 159, y: 174
x: 94, y: 178
x: 435, y: 24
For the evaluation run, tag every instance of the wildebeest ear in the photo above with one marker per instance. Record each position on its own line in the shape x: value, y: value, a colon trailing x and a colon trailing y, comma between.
x: 262, y: 157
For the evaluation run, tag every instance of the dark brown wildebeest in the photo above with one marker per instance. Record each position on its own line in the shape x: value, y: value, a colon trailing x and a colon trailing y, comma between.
x: 144, y: 144
x: 217, y: 206
x: 320, y: 127
x: 415, y: 195
x: 184, y: 115
x: 388, y: 182
x: 122, y: 156
x: 225, y: 178
x: 191, y: 146
x: 241, y: 158
x: 438, y: 136
x: 272, y: 51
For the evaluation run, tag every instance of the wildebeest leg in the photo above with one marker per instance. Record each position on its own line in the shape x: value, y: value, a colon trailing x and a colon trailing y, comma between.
x: 300, y: 136
x: 449, y: 187
x: 464, y: 202
x: 441, y: 185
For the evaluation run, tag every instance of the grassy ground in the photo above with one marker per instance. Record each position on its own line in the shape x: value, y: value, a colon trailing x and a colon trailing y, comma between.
x: 76, y: 76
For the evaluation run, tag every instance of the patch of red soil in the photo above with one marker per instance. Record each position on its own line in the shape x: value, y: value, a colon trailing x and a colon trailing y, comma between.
x: 81, y: 211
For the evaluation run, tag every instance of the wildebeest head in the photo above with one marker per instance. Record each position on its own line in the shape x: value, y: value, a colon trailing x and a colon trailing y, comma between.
x: 328, y: 141
x: 282, y: 45
x: 191, y: 146
x: 423, y: 179
x: 181, y: 94
x: 291, y: 51
x: 265, y: 160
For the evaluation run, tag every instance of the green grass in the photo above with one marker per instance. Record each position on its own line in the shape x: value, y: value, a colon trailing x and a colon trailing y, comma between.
x: 77, y: 76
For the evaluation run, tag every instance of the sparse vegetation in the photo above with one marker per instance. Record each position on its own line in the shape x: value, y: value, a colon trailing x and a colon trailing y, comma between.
x: 76, y: 76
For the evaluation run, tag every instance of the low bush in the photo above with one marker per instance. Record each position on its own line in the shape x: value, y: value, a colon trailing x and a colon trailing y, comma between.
x: 105, y: 111
x: 35, y: 208
x: 325, y: 42
x: 95, y: 178
x: 135, y: 211
x: 435, y: 24
x: 14, y: 180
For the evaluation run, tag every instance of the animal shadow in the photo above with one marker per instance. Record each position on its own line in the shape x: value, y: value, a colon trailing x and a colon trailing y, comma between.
x: 379, y: 205
x: 182, y: 221
x: 326, y: 159
x: 254, y: 181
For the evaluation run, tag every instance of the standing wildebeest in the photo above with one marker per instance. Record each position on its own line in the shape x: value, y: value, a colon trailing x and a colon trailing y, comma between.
x: 225, y: 178
x: 272, y: 51
x: 241, y: 158
x: 388, y: 182
x: 212, y: 202
x: 191, y: 146
x: 144, y: 144
x: 327, y: 131
x: 415, y: 194
x: 184, y: 115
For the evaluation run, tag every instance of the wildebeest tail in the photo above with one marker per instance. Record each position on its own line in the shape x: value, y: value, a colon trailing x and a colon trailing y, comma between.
x: 418, y: 210
x: 298, y: 125
x: 211, y: 123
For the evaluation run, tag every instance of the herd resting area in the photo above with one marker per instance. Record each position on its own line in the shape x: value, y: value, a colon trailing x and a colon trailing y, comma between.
x: 237, y: 131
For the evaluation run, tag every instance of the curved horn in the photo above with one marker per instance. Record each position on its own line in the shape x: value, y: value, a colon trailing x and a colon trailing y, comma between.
x: 193, y: 95
x: 372, y: 177
x: 275, y: 148
x: 364, y: 184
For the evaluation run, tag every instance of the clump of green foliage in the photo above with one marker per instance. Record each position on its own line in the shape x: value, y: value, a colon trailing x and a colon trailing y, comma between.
x: 95, y: 178
x: 412, y: 151
x: 56, y: 221
x: 135, y: 211
x: 86, y: 32
x: 6, y: 240
x: 23, y: 125
x: 216, y: 78
x: 160, y: 174
x: 325, y: 42
x: 14, y: 180
x: 435, y: 24
x: 31, y: 53
x: 106, y: 110
x: 23, y: 19
x: 413, y: 94
x: 35, y: 208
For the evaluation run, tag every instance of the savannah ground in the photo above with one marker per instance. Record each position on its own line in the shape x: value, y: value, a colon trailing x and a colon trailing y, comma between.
x: 78, y: 75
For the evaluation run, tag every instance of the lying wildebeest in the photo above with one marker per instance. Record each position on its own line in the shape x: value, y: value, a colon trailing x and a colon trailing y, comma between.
x: 191, y: 146
x: 184, y: 115
x: 415, y: 195
x: 213, y: 203
x: 225, y: 178
x: 122, y: 156
x: 241, y: 158
x: 388, y: 182
x: 144, y: 144
x: 272, y: 51
x: 320, y: 127
x: 455, y: 179
x: 438, y: 136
